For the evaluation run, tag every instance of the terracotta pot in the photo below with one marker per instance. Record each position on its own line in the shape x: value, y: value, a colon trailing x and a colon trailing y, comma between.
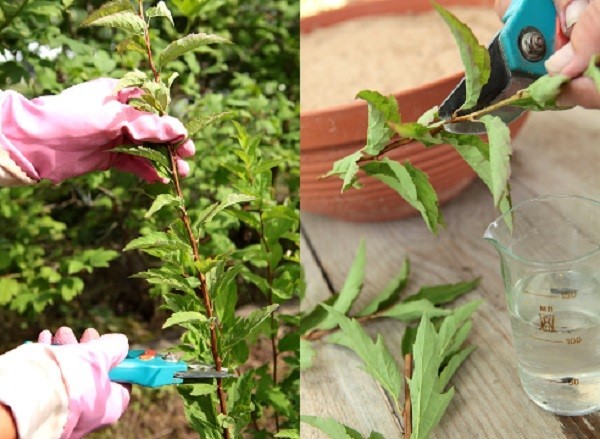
x: 329, y: 134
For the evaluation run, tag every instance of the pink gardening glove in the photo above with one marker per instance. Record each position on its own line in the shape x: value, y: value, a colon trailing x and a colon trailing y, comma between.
x: 94, y: 401
x: 63, y: 136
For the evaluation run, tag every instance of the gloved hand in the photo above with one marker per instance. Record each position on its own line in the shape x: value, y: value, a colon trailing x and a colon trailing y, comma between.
x: 580, y: 21
x: 70, y: 134
x: 94, y: 401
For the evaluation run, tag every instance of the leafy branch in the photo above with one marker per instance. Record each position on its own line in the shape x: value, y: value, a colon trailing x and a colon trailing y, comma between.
x: 490, y: 160
x: 432, y: 356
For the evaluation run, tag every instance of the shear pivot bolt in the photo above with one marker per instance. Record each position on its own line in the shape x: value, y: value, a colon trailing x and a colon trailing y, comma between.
x: 532, y: 44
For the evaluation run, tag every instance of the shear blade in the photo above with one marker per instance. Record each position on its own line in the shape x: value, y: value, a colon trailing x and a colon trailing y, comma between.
x: 501, y: 84
x: 200, y: 375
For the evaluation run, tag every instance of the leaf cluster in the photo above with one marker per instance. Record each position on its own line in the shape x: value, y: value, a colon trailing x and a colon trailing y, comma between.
x: 490, y: 160
x: 436, y: 344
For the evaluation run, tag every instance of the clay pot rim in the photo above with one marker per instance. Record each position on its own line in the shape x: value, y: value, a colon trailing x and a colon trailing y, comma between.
x: 357, y: 104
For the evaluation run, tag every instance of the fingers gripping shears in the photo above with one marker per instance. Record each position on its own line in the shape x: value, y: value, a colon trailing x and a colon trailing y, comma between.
x: 531, y: 33
x: 149, y: 369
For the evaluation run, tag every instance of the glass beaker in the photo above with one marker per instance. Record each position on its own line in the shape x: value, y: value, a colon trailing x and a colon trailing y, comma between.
x: 550, y: 265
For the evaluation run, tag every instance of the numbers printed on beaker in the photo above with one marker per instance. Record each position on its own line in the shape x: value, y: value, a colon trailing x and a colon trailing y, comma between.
x: 574, y: 340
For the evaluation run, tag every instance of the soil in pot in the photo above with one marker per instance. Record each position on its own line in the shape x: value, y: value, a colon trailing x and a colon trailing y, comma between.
x: 383, y: 53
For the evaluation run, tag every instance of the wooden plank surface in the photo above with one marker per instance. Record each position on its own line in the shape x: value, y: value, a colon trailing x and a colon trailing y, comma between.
x: 555, y: 153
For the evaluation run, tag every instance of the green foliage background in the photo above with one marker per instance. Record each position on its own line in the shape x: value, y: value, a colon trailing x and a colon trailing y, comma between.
x: 60, y: 241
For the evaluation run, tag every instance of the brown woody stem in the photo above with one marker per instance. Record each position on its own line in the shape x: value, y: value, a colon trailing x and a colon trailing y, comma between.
x: 193, y: 242
x: 408, y: 366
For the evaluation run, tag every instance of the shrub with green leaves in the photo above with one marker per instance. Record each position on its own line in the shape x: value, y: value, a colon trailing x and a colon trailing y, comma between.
x: 227, y: 231
x: 490, y: 160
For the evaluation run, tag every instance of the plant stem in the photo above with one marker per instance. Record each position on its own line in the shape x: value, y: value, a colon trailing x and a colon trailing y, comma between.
x: 147, y: 41
x: 408, y: 364
x: 214, y: 346
x: 203, y: 289
x: 273, y: 321
x: 454, y: 119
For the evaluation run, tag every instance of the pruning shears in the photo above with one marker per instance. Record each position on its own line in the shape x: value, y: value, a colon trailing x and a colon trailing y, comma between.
x: 529, y: 36
x: 149, y: 369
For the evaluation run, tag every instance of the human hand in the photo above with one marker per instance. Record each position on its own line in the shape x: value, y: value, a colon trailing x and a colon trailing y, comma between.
x: 580, y: 22
x: 94, y: 401
x: 72, y: 133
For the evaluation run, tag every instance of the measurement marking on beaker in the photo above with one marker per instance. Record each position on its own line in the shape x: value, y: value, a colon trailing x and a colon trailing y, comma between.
x: 574, y: 382
x: 574, y: 340
x: 545, y: 339
x: 547, y: 296
x: 564, y: 293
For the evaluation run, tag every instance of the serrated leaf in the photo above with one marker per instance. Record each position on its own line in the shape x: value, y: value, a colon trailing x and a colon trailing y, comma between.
x: 126, y: 20
x: 307, y: 354
x: 108, y: 8
x: 160, y: 10
x: 500, y: 152
x: 428, y: 404
x: 311, y: 319
x: 210, y: 212
x: 351, y: 287
x: 593, y: 71
x: 475, y: 57
x: 163, y: 200
x: 390, y: 293
x: 160, y: 240
x: 203, y: 389
x: 183, y: 45
x: 440, y: 294
x: 200, y: 122
x: 246, y: 327
x: 151, y: 154
x: 9, y: 288
x: 347, y: 168
x: 132, y: 79
x: 474, y: 151
x: 378, y: 362
x: 429, y: 116
x: 414, y: 310
x: 182, y: 317
x: 412, y: 184
x: 452, y: 366
x: 381, y: 110
x: 131, y: 44
x: 331, y: 427
x: 416, y: 131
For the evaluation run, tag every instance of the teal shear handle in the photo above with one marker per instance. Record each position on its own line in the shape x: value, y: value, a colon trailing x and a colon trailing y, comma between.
x: 148, y: 369
x: 538, y: 17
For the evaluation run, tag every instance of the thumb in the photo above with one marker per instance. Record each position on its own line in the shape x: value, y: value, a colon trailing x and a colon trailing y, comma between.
x: 573, y: 58
x: 109, y: 348
x: 116, y: 403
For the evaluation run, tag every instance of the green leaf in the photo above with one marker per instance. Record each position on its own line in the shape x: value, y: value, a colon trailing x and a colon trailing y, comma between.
x: 246, y: 328
x: 307, y: 354
x: 160, y: 240
x: 475, y: 57
x: 414, y: 310
x: 181, y: 317
x: 9, y: 288
x: 408, y: 339
x: 440, y: 294
x: 593, y: 71
x: 190, y: 42
x: 381, y: 110
x: 500, y: 152
x: 126, y: 20
x: 203, y: 389
x: 428, y: 403
x: 452, y: 366
x: 545, y: 90
x: 378, y: 361
x: 163, y: 200
x: 412, y: 184
x: 197, y: 124
x: 210, y: 212
x: 429, y: 116
x: 331, y: 427
x: 288, y: 433
x: 347, y: 168
x: 70, y: 287
x: 312, y: 318
x: 108, y: 8
x: 351, y: 288
x: 474, y: 151
x: 132, y: 79
x: 416, y: 131
x: 160, y: 10
x: 131, y: 44
x: 390, y: 293
x: 151, y: 154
